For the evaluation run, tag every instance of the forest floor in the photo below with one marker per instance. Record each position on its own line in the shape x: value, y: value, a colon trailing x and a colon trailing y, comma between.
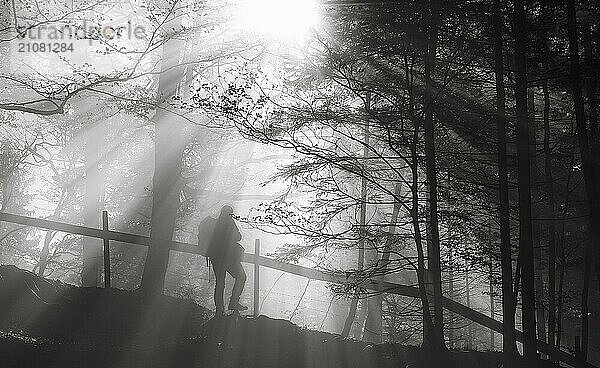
x: 45, y: 323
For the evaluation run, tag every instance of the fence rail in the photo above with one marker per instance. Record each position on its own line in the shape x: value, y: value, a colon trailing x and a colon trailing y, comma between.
x: 257, y: 260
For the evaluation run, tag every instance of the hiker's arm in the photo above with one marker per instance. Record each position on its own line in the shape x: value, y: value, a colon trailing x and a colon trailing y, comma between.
x: 238, y: 235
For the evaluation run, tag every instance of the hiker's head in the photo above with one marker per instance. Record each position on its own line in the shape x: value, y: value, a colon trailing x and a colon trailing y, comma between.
x: 226, y: 211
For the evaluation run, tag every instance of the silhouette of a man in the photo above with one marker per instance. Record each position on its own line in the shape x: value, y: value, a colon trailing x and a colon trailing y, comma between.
x: 226, y: 254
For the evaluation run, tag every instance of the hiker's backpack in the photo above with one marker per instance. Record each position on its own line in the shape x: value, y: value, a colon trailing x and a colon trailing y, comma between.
x: 221, y: 237
x: 205, y: 234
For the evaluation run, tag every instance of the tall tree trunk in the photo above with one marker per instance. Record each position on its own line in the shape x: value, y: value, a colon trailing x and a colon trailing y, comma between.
x: 540, y: 311
x: 169, y: 144
x: 43, y: 261
x: 374, y: 323
x: 551, y: 225
x: 373, y: 331
x: 508, y: 310
x: 492, y: 306
x: 429, y: 332
x: 561, y: 253
x: 435, y: 271
x: 517, y: 282
x: 451, y: 325
x: 524, y: 184
x: 550, y: 209
x: 350, y: 317
x: 468, y: 303
x: 362, y: 229
x: 561, y: 283
x: 587, y: 275
x: 361, y: 315
x: 92, y: 206
x: 429, y: 338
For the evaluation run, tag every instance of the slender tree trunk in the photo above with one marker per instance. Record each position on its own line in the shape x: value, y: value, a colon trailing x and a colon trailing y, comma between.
x: 550, y: 209
x: 540, y: 311
x: 587, y: 275
x: 43, y: 262
x: 429, y: 332
x: 92, y: 207
x: 169, y: 144
x: 374, y: 323
x: 451, y: 324
x: 362, y: 230
x: 373, y: 330
x: 561, y: 253
x: 561, y: 283
x: 429, y: 338
x: 508, y: 310
x: 551, y: 225
x: 350, y: 317
x: 492, y: 307
x: 524, y: 183
x: 431, y: 172
x: 468, y: 303
x: 356, y: 330
x: 517, y: 282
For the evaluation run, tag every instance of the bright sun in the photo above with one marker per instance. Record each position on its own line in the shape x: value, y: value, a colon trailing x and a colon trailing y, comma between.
x: 285, y: 19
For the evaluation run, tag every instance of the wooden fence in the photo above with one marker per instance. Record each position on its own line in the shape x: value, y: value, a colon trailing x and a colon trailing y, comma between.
x: 257, y: 260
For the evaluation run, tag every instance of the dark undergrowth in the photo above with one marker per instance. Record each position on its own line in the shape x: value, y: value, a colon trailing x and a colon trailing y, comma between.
x: 49, y: 324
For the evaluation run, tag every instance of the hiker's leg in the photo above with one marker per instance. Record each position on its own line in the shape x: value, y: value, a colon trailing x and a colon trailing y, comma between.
x: 237, y: 271
x: 219, y: 288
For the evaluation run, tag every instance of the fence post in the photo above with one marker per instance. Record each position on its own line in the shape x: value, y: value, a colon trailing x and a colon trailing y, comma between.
x: 256, y: 277
x: 106, y: 249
